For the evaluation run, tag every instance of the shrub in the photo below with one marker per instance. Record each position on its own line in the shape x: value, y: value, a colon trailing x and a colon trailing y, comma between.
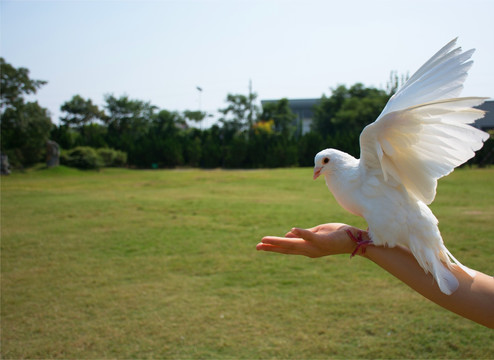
x: 112, y: 157
x: 82, y: 157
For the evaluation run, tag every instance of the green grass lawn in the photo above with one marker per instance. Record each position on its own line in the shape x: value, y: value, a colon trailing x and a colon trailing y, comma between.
x: 162, y: 264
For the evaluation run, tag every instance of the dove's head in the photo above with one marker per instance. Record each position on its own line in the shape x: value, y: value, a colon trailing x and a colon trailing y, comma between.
x: 328, y: 161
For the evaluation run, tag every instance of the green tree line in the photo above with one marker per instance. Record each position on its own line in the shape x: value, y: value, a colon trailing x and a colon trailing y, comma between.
x: 136, y: 133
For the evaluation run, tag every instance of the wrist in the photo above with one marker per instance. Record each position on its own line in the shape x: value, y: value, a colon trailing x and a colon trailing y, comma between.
x: 359, y: 240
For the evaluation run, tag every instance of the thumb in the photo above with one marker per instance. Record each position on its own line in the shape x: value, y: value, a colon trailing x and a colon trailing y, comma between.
x: 303, y: 233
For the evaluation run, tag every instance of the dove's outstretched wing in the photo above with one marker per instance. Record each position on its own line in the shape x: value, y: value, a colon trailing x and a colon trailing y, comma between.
x: 421, y: 144
x: 423, y: 134
x: 441, y: 77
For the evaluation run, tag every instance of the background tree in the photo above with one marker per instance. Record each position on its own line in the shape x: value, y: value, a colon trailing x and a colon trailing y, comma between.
x: 359, y: 108
x: 395, y: 81
x: 15, y: 84
x: 164, y: 143
x: 341, y: 118
x: 25, y: 126
x: 308, y: 146
x: 326, y: 110
x: 212, y: 147
x: 196, y: 116
x: 241, y: 111
x: 282, y: 116
x: 80, y: 125
x: 79, y: 112
x: 128, y: 124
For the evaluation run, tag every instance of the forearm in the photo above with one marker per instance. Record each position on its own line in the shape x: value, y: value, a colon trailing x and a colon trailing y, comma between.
x: 474, y: 298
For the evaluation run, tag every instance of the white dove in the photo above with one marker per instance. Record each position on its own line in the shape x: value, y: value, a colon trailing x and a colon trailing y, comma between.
x: 420, y: 136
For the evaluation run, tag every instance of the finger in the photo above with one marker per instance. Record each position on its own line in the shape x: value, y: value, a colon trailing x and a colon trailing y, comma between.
x: 282, y: 242
x: 291, y: 235
x: 278, y: 249
x: 315, y: 229
x: 303, y: 233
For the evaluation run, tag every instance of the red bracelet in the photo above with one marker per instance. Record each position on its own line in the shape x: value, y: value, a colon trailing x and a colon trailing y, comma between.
x: 361, y: 244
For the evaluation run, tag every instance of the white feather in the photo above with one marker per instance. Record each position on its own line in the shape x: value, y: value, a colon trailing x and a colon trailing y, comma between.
x: 441, y: 77
x: 423, y: 143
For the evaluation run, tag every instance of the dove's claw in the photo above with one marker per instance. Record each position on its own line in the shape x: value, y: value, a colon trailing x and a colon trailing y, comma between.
x: 359, y: 241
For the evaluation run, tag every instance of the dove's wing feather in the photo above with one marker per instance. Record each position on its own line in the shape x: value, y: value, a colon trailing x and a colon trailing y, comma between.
x: 441, y: 77
x: 420, y: 144
x: 422, y: 133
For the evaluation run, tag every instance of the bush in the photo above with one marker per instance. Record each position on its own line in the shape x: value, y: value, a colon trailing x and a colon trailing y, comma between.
x: 112, y: 157
x: 82, y: 157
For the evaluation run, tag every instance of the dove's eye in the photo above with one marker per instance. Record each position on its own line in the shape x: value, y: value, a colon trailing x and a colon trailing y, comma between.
x: 325, y: 160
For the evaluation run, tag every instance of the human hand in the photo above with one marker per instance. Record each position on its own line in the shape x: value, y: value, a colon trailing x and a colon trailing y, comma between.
x: 322, y: 240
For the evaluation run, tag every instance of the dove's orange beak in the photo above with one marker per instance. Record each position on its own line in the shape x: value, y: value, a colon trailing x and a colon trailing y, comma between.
x: 317, y: 172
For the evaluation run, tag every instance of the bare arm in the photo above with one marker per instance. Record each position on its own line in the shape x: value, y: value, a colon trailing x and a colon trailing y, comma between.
x: 474, y: 298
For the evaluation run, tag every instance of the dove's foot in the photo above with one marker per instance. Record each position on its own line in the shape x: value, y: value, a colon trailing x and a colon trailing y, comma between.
x: 361, y: 243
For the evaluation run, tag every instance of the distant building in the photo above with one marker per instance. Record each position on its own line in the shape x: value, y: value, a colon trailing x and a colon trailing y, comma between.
x: 487, y: 122
x: 304, y: 109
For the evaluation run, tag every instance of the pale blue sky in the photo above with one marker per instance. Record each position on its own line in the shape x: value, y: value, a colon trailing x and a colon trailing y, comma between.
x: 159, y: 51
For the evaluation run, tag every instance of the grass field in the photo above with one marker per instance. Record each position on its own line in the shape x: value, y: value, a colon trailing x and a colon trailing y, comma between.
x: 162, y: 264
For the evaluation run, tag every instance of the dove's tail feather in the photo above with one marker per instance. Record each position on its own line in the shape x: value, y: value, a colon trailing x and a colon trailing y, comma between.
x: 436, y: 260
x: 445, y: 279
